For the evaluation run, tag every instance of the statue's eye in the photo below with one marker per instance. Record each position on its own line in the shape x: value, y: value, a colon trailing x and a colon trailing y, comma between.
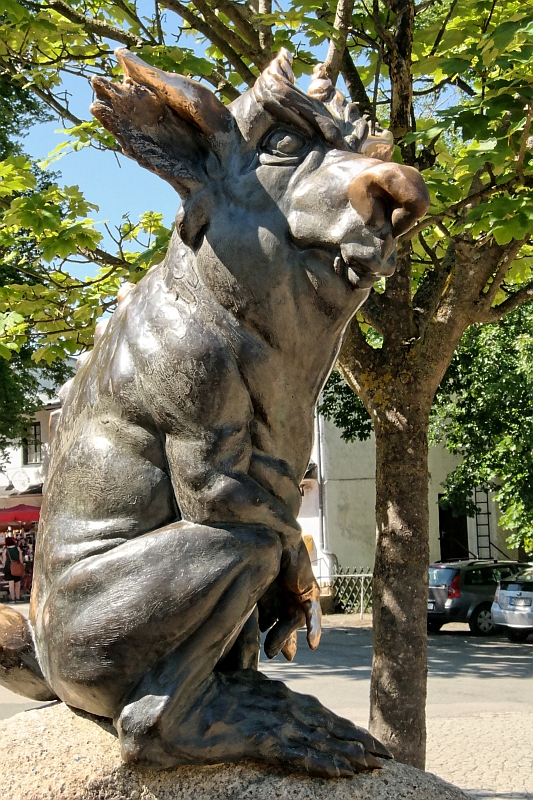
x: 283, y: 142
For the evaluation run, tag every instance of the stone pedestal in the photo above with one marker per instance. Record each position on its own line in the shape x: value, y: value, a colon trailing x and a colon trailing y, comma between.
x: 54, y: 753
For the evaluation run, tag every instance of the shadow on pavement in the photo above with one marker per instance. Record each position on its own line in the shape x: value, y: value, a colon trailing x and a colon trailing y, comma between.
x: 347, y: 652
x: 343, y: 652
x: 459, y: 653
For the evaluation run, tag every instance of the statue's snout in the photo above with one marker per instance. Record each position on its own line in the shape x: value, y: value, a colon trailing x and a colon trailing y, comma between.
x: 389, y: 193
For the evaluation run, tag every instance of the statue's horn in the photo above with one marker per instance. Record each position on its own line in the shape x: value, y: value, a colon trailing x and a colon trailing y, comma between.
x: 321, y: 88
x: 189, y: 99
x: 281, y: 66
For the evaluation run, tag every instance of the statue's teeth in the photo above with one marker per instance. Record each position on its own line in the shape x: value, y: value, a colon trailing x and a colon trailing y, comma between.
x: 352, y: 276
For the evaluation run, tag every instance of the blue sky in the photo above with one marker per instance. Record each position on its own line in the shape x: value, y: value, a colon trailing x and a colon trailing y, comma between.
x: 115, y: 183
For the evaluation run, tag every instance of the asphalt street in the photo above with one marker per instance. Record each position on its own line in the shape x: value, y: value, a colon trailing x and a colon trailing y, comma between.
x: 479, y: 705
x: 479, y: 708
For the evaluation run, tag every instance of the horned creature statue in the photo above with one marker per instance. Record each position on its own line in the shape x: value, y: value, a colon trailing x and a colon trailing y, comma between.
x: 168, y: 535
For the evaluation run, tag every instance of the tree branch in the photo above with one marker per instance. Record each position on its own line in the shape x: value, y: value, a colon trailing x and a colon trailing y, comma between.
x: 50, y: 100
x: 219, y: 82
x: 206, y: 30
x: 399, y: 61
x: 135, y: 18
x: 242, y: 24
x: 398, y: 322
x: 383, y: 34
x: 431, y: 289
x: 266, y: 38
x: 495, y: 313
x: 374, y: 310
x: 446, y: 82
x: 452, y: 210
x: 357, y: 360
x: 431, y: 253
x: 443, y: 28
x: 45, y: 96
x: 524, y: 141
x: 337, y: 46
x: 354, y: 84
x: 488, y: 297
x: 92, y: 25
x: 239, y: 45
x: 100, y: 256
x: 463, y: 86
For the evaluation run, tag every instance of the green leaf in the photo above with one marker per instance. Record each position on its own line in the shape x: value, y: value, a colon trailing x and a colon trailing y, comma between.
x: 5, y: 352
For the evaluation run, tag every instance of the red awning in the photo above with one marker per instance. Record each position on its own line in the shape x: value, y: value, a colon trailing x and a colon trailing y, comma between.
x: 21, y: 513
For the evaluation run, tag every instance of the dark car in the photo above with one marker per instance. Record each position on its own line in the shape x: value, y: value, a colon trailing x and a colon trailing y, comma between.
x: 463, y: 591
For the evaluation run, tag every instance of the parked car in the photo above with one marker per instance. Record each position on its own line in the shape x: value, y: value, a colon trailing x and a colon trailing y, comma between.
x: 513, y: 605
x: 463, y: 591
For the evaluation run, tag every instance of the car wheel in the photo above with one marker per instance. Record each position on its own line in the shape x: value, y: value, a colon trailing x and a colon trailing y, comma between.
x: 434, y: 627
x: 518, y: 634
x: 480, y: 622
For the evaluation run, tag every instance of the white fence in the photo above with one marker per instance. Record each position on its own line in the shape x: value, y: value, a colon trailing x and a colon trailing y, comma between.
x: 353, y: 591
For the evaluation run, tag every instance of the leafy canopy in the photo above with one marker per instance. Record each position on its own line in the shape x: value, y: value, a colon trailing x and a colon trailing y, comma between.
x: 470, y: 66
x: 484, y: 413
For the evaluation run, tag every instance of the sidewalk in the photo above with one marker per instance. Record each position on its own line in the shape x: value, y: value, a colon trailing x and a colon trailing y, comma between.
x: 486, y: 748
x: 488, y: 755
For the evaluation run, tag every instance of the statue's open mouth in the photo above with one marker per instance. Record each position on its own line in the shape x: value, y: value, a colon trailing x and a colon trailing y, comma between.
x: 359, y: 265
x: 362, y: 266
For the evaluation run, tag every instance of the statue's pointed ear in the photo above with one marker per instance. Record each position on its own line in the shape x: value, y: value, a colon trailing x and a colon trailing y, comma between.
x: 192, y: 101
x: 167, y: 122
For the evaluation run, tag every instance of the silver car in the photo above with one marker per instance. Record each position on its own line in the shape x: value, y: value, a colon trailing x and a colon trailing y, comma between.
x: 513, y: 605
x: 462, y: 591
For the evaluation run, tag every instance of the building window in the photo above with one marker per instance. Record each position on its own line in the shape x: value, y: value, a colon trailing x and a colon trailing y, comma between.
x: 31, y: 444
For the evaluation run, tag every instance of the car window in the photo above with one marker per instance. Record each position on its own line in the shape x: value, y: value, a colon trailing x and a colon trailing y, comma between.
x: 441, y: 576
x: 473, y: 577
x: 521, y: 582
x: 501, y: 573
x: 490, y: 574
x: 481, y: 576
x: 526, y: 575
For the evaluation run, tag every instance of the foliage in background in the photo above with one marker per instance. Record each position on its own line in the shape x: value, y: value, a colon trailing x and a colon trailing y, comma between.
x: 484, y: 413
x: 23, y: 388
x: 342, y: 407
x: 469, y: 70
x: 22, y: 382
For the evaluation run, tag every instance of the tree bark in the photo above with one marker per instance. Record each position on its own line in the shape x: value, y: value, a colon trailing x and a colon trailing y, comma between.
x: 333, y: 60
x: 397, y: 384
x: 399, y: 61
x: 399, y: 667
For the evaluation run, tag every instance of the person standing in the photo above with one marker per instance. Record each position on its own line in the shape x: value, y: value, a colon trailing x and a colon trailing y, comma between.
x: 11, y: 556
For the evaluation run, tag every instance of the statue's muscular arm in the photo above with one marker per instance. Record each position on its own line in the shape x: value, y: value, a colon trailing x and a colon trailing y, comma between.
x: 208, y: 446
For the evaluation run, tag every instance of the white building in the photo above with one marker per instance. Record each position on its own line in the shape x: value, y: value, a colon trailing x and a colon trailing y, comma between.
x: 21, y: 478
x: 338, y: 509
x: 338, y: 503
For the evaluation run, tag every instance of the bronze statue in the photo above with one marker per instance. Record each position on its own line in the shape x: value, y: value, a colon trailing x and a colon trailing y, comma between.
x: 168, y: 533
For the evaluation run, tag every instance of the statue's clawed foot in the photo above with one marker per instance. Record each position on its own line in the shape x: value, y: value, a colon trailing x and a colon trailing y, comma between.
x: 243, y: 715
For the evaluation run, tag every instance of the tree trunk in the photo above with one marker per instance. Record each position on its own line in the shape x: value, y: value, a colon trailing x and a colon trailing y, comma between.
x: 399, y: 668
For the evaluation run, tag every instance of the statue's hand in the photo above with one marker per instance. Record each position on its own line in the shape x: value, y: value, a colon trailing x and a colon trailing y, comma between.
x: 284, y: 611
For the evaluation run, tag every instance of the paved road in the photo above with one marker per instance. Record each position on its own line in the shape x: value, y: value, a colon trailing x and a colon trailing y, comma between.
x: 480, y: 701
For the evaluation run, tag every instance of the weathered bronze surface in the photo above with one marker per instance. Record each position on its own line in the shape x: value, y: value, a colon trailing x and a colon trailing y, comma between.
x: 168, y: 533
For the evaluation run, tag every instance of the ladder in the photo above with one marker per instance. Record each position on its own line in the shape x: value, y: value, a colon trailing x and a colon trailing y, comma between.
x: 481, y: 499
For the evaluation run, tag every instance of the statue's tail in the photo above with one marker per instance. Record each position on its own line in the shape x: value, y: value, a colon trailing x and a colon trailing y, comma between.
x: 19, y: 669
